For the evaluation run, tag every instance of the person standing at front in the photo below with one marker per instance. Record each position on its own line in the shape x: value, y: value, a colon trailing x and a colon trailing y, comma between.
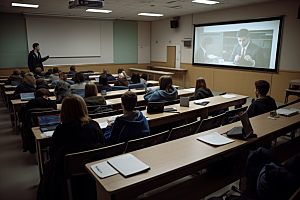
x: 35, y: 59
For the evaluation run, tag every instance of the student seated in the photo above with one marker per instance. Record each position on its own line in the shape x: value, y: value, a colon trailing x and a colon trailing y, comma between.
x: 165, y: 91
x: 132, y: 125
x: 135, y: 78
x: 120, y: 71
x: 72, y: 70
x: 144, y: 79
x: 108, y: 75
x: 55, y: 75
x: 91, y: 95
x: 263, y: 102
x: 63, y: 78
x: 28, y: 85
x: 38, y: 73
x: 61, y: 90
x: 16, y: 76
x: 49, y: 72
x: 201, y: 91
x: 41, y: 83
x: 121, y: 81
x: 79, y: 82
x: 104, y: 81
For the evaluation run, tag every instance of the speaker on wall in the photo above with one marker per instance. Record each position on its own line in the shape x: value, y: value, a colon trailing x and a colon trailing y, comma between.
x: 174, y: 23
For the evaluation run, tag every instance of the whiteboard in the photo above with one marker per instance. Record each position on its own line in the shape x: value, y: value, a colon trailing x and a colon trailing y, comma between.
x: 64, y: 38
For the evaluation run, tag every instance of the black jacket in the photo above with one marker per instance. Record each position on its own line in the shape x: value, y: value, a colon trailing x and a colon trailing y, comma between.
x: 94, y: 100
x: 35, y: 61
x: 14, y: 78
x: 203, y: 93
x: 261, y: 105
x: 42, y: 85
x: 65, y: 134
x: 24, y: 87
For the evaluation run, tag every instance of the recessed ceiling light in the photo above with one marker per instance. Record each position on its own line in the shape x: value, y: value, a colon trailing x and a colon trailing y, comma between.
x: 205, y: 2
x: 98, y: 10
x: 24, y: 5
x: 151, y: 14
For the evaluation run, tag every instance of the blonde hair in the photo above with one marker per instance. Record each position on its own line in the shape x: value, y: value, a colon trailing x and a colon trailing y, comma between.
x: 28, y: 74
x: 38, y: 70
x: 29, y: 79
x: 200, y: 83
x: 90, y: 89
x: 74, y: 110
x: 62, y: 76
x: 165, y: 83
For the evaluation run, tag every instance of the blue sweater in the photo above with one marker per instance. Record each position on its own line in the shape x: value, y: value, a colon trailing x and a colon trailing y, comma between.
x: 161, y: 95
x: 127, y: 127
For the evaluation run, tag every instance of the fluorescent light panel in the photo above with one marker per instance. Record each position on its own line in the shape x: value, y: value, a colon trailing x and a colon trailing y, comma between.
x: 205, y: 2
x: 98, y: 10
x: 24, y: 5
x: 151, y: 14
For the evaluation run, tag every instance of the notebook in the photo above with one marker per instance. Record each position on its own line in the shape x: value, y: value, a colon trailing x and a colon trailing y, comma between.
x: 78, y: 92
x: 128, y: 165
x: 286, y: 112
x: 48, y: 122
x: 215, y: 139
x: 27, y: 96
x: 104, y: 170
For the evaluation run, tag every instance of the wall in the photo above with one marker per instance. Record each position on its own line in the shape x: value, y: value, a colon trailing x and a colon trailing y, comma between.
x: 228, y: 80
x: 144, y: 42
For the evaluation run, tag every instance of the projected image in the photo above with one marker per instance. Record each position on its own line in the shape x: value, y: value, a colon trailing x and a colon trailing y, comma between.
x: 251, y: 44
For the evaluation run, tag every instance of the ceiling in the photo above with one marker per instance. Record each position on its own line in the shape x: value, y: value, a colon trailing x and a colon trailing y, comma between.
x: 126, y: 9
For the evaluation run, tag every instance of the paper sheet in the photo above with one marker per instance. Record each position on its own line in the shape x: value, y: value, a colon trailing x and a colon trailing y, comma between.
x: 48, y: 133
x: 103, y: 125
x: 215, y: 139
x: 201, y: 101
x: 285, y: 112
x: 104, y: 170
x: 294, y: 109
x: 108, y: 102
x: 190, y: 89
x: 228, y: 96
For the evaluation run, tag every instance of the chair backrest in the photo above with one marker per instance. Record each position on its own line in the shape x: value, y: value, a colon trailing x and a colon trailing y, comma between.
x: 291, y: 103
x: 75, y: 162
x: 185, y: 130
x: 138, y: 85
x: 140, y: 108
x: 210, y: 123
x: 148, y: 141
x: 232, y: 113
x: 104, y: 114
x: 167, y: 103
x: 119, y: 88
x: 35, y: 115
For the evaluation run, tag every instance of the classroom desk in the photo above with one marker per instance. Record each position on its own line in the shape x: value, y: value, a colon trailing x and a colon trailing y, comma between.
x: 2, y: 89
x: 2, y: 80
x: 296, y: 92
x: 151, y: 72
x: 175, y: 70
x: 157, y: 119
x: 4, y: 77
x: 173, y: 160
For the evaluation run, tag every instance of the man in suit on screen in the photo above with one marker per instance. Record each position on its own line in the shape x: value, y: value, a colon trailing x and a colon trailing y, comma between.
x: 201, y: 54
x: 245, y: 52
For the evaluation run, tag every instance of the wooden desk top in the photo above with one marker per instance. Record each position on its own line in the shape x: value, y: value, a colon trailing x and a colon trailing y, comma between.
x: 12, y: 92
x: 4, y: 77
x: 18, y: 101
x: 176, y: 155
x: 295, y: 82
x: 295, y: 91
x: 2, y: 84
x: 151, y: 71
x: 169, y: 68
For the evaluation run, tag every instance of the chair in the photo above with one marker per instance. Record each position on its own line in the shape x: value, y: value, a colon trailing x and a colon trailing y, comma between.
x: 35, y: 115
x: 136, y: 86
x: 104, y: 114
x: 140, y: 108
x: 145, y: 142
x: 210, y: 123
x: 74, y: 164
x: 119, y: 88
x: 232, y: 113
x: 182, y: 131
x: 167, y: 103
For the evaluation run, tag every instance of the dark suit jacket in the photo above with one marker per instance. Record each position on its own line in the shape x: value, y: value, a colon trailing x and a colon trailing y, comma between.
x: 253, y: 50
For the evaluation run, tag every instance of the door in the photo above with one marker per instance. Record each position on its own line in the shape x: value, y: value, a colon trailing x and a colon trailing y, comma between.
x: 171, y: 56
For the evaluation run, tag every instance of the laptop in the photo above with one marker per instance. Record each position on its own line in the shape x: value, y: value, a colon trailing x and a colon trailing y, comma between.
x: 15, y: 83
x: 27, y: 96
x: 78, y: 92
x: 48, y: 122
x: 97, y: 79
x: 155, y: 107
x: 244, y: 131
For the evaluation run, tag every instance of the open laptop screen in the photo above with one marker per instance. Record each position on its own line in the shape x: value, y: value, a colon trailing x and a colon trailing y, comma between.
x: 97, y: 79
x: 15, y: 83
x: 246, y: 125
x: 78, y: 92
x: 49, y: 120
x: 27, y: 96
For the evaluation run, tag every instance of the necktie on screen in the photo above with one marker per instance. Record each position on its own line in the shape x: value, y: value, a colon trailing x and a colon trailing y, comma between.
x: 243, y: 52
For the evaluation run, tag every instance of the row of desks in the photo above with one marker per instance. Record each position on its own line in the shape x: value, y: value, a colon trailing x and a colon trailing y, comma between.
x: 193, y: 111
x: 173, y: 160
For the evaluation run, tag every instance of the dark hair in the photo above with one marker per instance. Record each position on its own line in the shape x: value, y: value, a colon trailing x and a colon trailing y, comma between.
x: 144, y: 76
x: 243, y: 33
x: 41, y: 92
x: 16, y: 72
x: 129, y: 100
x: 29, y: 79
x: 262, y: 86
x: 207, y: 41
x: 165, y: 83
x: 55, y: 70
x: 62, y: 76
x: 79, y: 78
x: 40, y: 81
x: 35, y: 45
x: 103, y: 80
x: 23, y: 73
x: 50, y: 71
x: 135, y: 78
x: 105, y: 71
x: 72, y: 68
x: 120, y: 70
x: 200, y: 83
